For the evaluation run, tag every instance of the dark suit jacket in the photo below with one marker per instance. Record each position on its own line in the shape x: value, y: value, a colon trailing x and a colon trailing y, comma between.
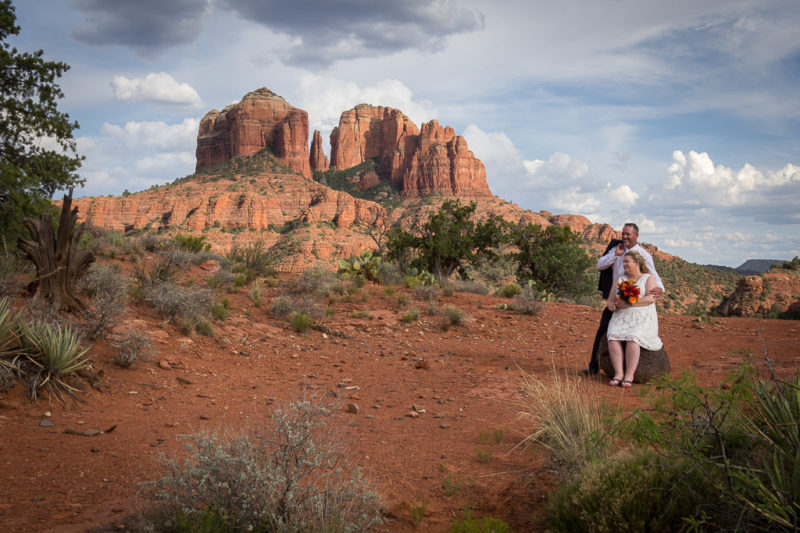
x: 607, y: 275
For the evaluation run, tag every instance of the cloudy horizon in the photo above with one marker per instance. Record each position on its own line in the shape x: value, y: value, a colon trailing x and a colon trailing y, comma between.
x: 679, y: 116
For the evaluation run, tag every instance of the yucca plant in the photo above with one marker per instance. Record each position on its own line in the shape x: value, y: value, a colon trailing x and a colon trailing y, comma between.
x: 775, y: 422
x: 9, y: 330
x: 55, y: 353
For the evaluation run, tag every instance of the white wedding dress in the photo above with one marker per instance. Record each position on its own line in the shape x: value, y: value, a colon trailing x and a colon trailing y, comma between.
x: 637, y: 324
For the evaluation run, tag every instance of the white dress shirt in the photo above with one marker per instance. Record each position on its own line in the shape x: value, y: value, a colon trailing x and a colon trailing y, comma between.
x: 615, y: 262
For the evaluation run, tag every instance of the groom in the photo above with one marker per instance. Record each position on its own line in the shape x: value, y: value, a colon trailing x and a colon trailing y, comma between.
x: 610, y: 266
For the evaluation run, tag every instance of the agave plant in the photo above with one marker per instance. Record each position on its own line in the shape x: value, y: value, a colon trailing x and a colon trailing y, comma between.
x: 55, y: 352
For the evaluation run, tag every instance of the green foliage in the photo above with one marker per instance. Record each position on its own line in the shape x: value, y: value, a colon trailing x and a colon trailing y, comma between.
x: 293, y: 477
x: 628, y: 492
x: 365, y: 266
x: 347, y: 180
x: 192, y: 243
x: 702, y: 284
x: 793, y: 265
x: 252, y: 260
x: 418, y: 511
x: 449, y: 240
x: 454, y: 315
x: 55, y: 353
x: 480, y: 525
x: 30, y: 173
x: 509, y: 290
x: 301, y: 321
x: 553, y: 259
x: 411, y: 315
x: 741, y: 435
x: 108, y: 291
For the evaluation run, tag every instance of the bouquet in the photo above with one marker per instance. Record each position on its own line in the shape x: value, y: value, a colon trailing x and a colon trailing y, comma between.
x: 627, y: 291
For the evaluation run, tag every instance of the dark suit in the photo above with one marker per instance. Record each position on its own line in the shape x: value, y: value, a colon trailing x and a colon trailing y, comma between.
x: 604, y: 286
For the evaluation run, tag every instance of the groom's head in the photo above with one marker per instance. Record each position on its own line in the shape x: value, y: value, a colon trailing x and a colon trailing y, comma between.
x: 630, y: 234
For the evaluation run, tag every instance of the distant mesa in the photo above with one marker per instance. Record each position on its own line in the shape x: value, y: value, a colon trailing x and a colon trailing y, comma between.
x: 262, y: 119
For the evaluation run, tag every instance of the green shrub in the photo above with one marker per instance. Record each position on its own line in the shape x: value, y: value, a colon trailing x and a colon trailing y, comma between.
x: 527, y: 302
x: 192, y: 243
x: 301, y: 321
x: 296, y: 477
x: 411, y: 315
x: 176, y: 303
x: 365, y: 266
x: 108, y: 291
x: 131, y: 348
x: 253, y: 259
x: 509, y: 290
x: 204, y: 327
x: 256, y: 291
x: 220, y: 309
x: 480, y: 525
x: 455, y: 316
x: 639, y: 491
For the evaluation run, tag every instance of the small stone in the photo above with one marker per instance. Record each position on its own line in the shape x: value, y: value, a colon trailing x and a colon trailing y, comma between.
x: 418, y: 408
x: 91, y: 432
x: 352, y: 408
x: 47, y: 414
x: 376, y: 406
x: 440, y: 415
x: 412, y: 414
x: 353, y: 424
x: 45, y: 423
x: 444, y: 426
x: 204, y: 417
x: 165, y: 365
x: 95, y: 449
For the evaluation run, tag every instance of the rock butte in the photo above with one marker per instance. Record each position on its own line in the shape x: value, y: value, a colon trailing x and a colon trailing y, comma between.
x: 418, y: 162
x: 261, y: 120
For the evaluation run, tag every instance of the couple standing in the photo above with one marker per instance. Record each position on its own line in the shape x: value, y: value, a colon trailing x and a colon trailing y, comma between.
x: 635, y: 323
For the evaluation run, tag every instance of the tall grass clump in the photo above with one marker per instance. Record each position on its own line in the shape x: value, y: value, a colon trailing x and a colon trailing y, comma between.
x: 294, y: 477
x: 567, y: 419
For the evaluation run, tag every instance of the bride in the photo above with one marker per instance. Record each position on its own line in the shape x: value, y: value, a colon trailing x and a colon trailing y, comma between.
x: 635, y: 323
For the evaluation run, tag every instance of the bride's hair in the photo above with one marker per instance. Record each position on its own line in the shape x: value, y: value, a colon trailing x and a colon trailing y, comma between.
x: 636, y: 256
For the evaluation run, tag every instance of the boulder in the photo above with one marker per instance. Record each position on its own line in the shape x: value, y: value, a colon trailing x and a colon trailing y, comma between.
x: 652, y: 364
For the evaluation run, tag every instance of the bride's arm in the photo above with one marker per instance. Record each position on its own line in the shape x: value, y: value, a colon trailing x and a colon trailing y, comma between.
x: 648, y: 298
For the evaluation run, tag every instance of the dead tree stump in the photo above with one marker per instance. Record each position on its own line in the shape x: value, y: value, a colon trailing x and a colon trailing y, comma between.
x: 59, y: 263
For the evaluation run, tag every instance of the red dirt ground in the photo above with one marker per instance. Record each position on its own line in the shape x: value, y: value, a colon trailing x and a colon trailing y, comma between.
x: 467, y: 380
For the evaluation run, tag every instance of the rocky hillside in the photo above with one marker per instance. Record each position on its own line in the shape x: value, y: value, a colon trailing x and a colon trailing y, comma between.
x: 775, y: 293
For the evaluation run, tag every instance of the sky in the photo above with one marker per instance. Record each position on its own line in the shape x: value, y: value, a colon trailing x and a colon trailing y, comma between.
x: 680, y: 116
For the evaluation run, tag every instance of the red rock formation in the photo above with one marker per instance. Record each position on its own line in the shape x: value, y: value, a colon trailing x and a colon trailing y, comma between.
x: 775, y: 291
x: 261, y: 120
x: 433, y: 160
x: 317, y: 158
x: 368, y: 179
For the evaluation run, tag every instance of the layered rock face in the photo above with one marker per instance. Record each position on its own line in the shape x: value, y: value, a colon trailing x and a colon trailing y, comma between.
x: 774, y: 291
x: 316, y: 157
x: 261, y: 120
x: 418, y: 162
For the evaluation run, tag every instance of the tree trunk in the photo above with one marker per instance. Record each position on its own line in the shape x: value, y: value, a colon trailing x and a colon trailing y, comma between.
x: 59, y: 264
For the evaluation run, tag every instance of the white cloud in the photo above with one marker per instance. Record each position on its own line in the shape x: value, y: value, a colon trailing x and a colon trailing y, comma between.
x: 326, y: 98
x: 624, y: 196
x: 155, y: 135
x: 571, y: 200
x: 701, y: 182
x: 156, y: 87
x: 557, y: 170
x: 168, y: 164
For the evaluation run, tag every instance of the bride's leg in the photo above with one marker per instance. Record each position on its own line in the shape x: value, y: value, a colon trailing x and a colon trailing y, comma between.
x: 615, y: 354
x: 632, y: 352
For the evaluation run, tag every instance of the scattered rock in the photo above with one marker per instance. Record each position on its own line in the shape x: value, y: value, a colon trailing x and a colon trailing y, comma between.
x: 352, y: 408
x: 412, y: 414
x: 444, y: 426
x: 165, y: 365
x: 45, y: 423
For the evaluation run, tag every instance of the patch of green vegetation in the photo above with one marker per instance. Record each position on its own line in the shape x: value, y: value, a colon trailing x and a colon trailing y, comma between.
x: 704, y: 286
x: 347, y: 180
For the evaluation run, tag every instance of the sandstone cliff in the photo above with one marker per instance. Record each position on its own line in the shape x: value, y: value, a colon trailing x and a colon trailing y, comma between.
x: 261, y: 120
x: 775, y: 292
x: 316, y: 157
x: 418, y: 162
